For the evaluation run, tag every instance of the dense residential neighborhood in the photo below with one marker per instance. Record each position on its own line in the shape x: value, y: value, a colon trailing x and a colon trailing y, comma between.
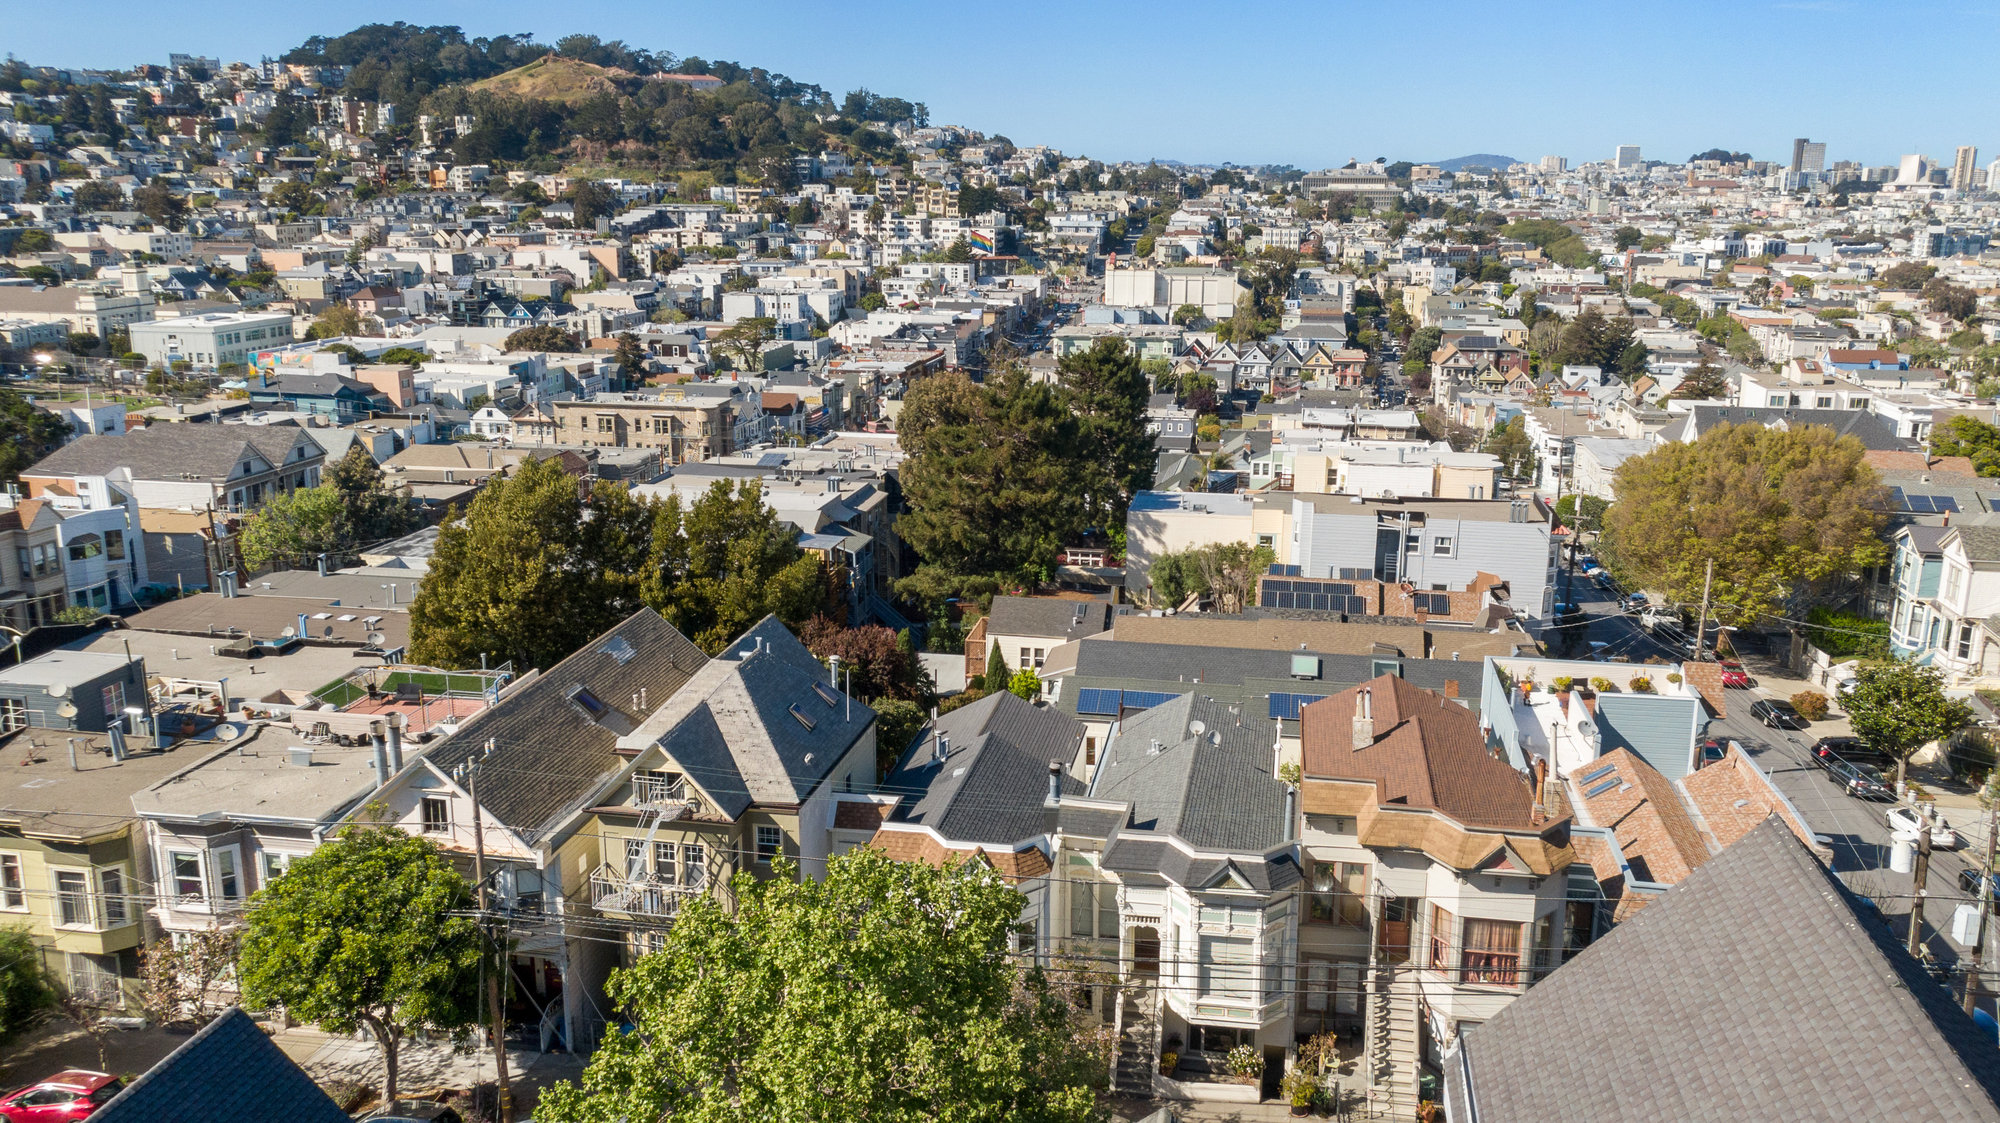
x: 575, y: 583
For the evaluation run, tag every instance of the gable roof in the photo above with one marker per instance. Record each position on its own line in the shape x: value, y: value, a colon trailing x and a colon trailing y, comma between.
x: 1754, y: 989
x: 228, y: 1072
x: 1428, y: 752
x: 736, y: 729
x: 993, y: 783
x: 549, y: 753
x: 1047, y: 616
x: 1873, y: 430
x: 175, y: 451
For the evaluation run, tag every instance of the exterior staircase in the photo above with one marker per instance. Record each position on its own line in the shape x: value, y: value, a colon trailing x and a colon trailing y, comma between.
x: 1392, y: 1044
x: 1138, y: 1043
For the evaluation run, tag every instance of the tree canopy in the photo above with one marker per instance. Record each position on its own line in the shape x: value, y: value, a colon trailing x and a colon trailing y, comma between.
x: 544, y: 337
x: 27, y: 433
x: 25, y: 991
x: 353, y: 507
x: 885, y: 992
x: 1782, y: 512
x: 1900, y: 707
x: 1510, y: 442
x: 1972, y: 438
x: 1703, y: 383
x: 370, y: 931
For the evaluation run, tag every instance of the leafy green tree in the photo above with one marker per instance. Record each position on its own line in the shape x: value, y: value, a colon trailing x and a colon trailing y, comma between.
x: 370, y: 931
x: 408, y: 356
x: 997, y: 673
x: 743, y: 341
x: 592, y: 200
x: 158, y: 202
x: 631, y: 357
x: 885, y: 992
x: 294, y: 528
x: 1626, y: 237
x: 509, y: 579
x: 996, y: 479
x: 727, y: 562
x: 1781, y: 513
x: 1908, y: 275
x: 1026, y: 684
x: 336, y: 321
x: 26, y: 994
x: 371, y: 511
x: 27, y: 433
x: 1510, y: 442
x: 1955, y: 301
x: 1967, y: 436
x: 1900, y: 707
x: 897, y: 723
x: 1227, y: 572
x: 1585, y: 512
x: 1108, y: 392
x: 1187, y: 314
x: 544, y: 337
x: 1705, y: 382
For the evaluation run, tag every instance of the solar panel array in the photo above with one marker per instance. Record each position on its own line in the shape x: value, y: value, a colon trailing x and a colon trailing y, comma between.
x: 1921, y: 504
x: 1437, y: 604
x: 1110, y: 702
x: 1286, y: 706
x: 1318, y: 596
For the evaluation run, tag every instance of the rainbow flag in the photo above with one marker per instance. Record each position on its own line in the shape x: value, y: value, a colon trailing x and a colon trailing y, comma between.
x: 980, y: 242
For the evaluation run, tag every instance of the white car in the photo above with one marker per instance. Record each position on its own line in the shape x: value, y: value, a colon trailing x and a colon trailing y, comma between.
x: 1903, y: 820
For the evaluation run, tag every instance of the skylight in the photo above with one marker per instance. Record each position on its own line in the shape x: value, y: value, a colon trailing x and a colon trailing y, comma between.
x: 803, y: 718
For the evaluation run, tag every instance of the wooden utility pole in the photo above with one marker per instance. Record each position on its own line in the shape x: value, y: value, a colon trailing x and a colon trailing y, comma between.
x: 494, y: 988
x: 1701, y: 622
x: 1985, y: 907
x: 1923, y: 872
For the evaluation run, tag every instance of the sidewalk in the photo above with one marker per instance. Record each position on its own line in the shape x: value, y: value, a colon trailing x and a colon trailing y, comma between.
x: 424, y: 1067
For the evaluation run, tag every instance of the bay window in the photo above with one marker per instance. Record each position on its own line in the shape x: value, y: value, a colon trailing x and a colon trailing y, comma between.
x: 1492, y: 952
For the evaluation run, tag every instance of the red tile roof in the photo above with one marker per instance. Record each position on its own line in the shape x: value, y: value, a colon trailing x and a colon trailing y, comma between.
x: 1428, y: 752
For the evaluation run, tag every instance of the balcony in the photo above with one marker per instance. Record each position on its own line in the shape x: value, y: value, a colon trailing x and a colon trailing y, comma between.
x: 612, y: 891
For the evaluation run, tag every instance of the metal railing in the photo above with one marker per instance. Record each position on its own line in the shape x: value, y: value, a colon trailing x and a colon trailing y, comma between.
x: 645, y: 896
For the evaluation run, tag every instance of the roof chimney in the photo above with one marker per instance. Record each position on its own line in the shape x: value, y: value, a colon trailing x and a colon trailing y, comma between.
x: 1055, y: 783
x: 395, y: 743
x: 381, y: 754
x: 1364, y: 720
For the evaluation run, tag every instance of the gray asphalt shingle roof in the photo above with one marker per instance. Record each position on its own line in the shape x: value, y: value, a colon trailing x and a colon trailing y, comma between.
x: 993, y: 784
x: 549, y: 754
x: 1871, y: 429
x: 1043, y: 616
x: 1755, y: 989
x: 1209, y: 783
x: 168, y: 451
x: 228, y: 1072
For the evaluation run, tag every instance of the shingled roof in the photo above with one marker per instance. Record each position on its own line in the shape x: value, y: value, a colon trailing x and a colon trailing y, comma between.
x: 549, y: 751
x: 993, y: 783
x: 1755, y: 989
x: 1427, y: 752
x: 228, y: 1072
x: 1208, y: 783
x: 209, y: 452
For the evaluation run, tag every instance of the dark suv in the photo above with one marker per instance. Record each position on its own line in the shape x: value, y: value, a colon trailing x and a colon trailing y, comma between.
x: 1861, y: 781
x: 1851, y: 749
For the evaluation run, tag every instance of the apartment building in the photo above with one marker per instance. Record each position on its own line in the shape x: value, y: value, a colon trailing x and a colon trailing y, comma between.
x: 682, y: 426
x: 210, y: 339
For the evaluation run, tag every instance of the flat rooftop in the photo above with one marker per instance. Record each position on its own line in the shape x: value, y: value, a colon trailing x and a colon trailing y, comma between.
x: 257, y: 777
x: 211, y: 615
x: 303, y: 669
x: 63, y: 666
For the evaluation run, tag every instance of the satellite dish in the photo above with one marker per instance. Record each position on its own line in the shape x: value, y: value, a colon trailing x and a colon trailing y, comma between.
x: 375, y: 639
x: 66, y: 710
x: 329, y: 631
x: 289, y: 632
x: 1197, y: 728
x: 227, y: 732
x: 56, y: 689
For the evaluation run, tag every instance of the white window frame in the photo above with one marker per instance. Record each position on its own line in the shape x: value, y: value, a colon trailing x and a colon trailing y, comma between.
x: 124, y: 896
x: 776, y: 849
x: 57, y: 894
x: 236, y: 870
x: 1444, y: 546
x: 13, y: 898
x: 424, y: 818
x: 172, y: 877
x: 268, y: 860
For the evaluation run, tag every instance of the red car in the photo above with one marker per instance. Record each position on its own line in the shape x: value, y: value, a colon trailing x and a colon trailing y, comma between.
x: 1733, y: 674
x: 71, y: 1094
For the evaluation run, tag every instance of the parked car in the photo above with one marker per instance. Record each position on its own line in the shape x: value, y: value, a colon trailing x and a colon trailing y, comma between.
x: 1635, y: 602
x: 1712, y: 751
x: 1734, y: 675
x: 1851, y: 749
x: 1968, y: 883
x: 1861, y: 781
x: 71, y: 1094
x: 413, y: 1111
x: 1776, y: 715
x: 1904, y: 820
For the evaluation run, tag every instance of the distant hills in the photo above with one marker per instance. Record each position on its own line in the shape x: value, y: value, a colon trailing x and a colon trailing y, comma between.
x: 553, y: 78
x: 1476, y: 160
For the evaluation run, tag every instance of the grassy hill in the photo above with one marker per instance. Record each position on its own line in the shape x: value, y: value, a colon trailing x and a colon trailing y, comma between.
x: 553, y: 78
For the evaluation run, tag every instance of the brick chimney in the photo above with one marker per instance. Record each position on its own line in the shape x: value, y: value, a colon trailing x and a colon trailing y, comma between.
x: 1364, y: 720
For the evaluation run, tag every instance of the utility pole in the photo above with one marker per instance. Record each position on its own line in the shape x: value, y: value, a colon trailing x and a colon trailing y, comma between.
x: 1923, y: 872
x: 1701, y: 622
x: 1985, y: 907
x: 494, y: 989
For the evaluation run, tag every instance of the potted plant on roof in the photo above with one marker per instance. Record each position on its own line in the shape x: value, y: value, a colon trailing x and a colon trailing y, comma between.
x: 1300, y: 1088
x: 1641, y: 685
x: 1563, y: 684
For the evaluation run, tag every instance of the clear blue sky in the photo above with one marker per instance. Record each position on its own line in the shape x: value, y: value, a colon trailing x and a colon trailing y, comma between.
x: 1309, y: 84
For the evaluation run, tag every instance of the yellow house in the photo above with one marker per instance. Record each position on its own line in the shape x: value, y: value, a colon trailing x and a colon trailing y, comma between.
x: 73, y: 866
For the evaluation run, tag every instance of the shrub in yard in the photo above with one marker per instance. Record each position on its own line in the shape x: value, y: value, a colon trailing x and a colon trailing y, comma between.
x: 1810, y: 704
x: 1246, y: 1063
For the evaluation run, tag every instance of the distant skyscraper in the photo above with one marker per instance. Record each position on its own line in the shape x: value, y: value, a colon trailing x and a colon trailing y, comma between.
x: 1808, y: 156
x: 1993, y: 176
x: 1555, y: 165
x: 1912, y: 170
x: 1627, y: 157
x: 1961, y: 168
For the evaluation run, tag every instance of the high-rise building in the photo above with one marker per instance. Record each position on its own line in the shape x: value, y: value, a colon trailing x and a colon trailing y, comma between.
x: 1808, y: 156
x: 1962, y: 164
x: 1555, y: 165
x: 1993, y: 176
x: 1913, y: 169
x: 1627, y: 157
